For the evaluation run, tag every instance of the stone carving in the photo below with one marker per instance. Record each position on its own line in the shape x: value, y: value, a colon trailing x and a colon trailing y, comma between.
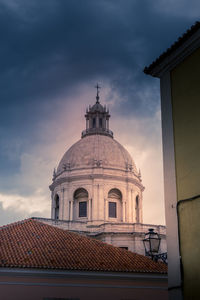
x: 97, y: 163
x: 129, y: 167
x: 66, y: 167
x: 139, y: 175
x: 54, y: 174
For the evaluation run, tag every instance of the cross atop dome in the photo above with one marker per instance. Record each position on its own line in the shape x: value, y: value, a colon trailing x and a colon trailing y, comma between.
x: 97, y: 97
x: 97, y: 119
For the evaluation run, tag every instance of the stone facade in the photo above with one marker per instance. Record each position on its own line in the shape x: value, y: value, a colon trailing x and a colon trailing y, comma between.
x: 97, y: 189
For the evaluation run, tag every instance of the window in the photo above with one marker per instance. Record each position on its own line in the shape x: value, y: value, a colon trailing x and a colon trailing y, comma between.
x: 80, y: 204
x: 112, y: 210
x: 56, y: 207
x: 82, y: 209
x: 137, y: 209
x: 94, y: 123
x: 100, y: 123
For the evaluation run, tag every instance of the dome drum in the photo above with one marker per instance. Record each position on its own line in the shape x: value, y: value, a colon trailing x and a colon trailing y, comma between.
x: 98, y: 196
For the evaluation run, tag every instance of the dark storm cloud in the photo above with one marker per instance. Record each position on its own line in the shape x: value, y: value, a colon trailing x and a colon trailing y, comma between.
x: 53, y: 45
x: 51, y: 49
x: 48, y: 48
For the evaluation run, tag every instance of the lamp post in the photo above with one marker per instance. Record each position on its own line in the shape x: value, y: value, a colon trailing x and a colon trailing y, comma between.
x: 152, y: 246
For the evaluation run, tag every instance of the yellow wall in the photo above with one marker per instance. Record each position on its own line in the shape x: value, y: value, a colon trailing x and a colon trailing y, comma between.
x: 190, y: 247
x: 185, y: 82
x: 185, y: 85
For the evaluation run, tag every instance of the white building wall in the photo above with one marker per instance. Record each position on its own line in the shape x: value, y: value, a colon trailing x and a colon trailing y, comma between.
x: 120, y: 231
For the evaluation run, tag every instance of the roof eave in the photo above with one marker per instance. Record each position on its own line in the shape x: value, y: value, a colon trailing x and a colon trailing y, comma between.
x: 182, y: 48
x: 8, y: 271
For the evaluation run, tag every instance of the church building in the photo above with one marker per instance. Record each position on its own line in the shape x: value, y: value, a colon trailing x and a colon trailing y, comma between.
x: 97, y: 189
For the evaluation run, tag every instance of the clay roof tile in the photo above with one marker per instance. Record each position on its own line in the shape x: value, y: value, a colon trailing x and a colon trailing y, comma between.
x: 33, y: 244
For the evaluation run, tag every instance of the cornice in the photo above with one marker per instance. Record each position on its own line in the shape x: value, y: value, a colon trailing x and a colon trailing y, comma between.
x: 98, y: 165
x: 51, y: 273
x: 69, y: 179
x: 107, y: 233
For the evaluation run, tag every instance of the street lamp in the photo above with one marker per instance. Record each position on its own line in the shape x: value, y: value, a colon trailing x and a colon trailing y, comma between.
x: 152, y: 245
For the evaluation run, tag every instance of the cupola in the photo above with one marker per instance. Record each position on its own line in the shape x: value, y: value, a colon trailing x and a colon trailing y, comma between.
x: 97, y: 119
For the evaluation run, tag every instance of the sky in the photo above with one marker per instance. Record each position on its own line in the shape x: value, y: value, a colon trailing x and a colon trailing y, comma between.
x: 53, y: 52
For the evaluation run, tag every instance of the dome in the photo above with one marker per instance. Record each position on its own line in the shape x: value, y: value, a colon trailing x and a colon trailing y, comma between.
x: 97, y: 107
x: 97, y: 150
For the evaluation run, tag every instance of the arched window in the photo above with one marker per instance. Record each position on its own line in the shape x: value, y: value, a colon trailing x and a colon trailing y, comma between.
x: 94, y: 123
x: 100, y: 122
x: 80, y: 203
x: 114, y: 204
x: 56, y: 199
x: 137, y: 209
x: 112, y: 211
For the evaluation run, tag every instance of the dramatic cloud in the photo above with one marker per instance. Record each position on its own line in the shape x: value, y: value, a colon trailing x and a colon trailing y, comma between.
x: 52, y: 54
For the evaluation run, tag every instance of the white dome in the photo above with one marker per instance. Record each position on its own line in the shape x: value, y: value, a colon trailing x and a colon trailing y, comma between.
x: 96, y: 180
x: 97, y: 149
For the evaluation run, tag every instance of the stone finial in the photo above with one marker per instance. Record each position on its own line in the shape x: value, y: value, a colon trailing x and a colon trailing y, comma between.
x: 139, y: 174
x: 54, y: 174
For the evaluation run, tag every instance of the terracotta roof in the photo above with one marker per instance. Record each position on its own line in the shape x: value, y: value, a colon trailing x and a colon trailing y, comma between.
x: 174, y: 46
x: 33, y: 244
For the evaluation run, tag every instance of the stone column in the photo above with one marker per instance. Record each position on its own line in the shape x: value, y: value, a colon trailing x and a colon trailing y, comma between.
x: 137, y: 209
x: 95, y: 202
x: 52, y: 206
x: 106, y: 209
x: 107, y: 125
x: 63, y: 203
x: 71, y: 210
x: 66, y: 205
x: 90, y: 122
x: 123, y: 211
x: 89, y: 209
x: 132, y: 207
x: 140, y: 208
x: 129, y: 208
x: 87, y: 124
x: 101, y: 202
x: 104, y: 123
x: 66, y: 211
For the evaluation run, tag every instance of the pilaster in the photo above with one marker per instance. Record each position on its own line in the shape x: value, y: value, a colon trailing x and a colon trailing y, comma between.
x: 106, y: 209
x: 89, y: 209
x: 71, y: 210
x: 124, y: 210
x: 129, y: 208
